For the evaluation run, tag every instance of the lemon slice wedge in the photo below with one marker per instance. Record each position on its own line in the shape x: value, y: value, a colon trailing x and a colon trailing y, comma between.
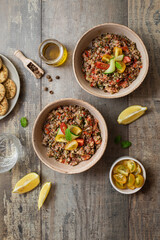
x: 75, y: 130
x: 130, y: 114
x: 27, y: 183
x: 43, y: 194
x: 60, y: 138
x: 71, y: 145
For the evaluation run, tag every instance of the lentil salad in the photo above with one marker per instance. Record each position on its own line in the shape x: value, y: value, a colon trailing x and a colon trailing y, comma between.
x: 113, y: 62
x: 64, y: 144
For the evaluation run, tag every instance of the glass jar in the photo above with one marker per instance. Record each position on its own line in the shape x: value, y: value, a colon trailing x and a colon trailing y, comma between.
x: 52, y: 52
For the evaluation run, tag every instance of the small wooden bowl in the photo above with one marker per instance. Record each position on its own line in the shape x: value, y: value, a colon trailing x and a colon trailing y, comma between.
x: 126, y: 191
x: 41, y: 150
x: 85, y: 41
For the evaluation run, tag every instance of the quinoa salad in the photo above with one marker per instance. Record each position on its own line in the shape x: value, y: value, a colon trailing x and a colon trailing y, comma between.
x: 112, y: 63
x: 71, y: 134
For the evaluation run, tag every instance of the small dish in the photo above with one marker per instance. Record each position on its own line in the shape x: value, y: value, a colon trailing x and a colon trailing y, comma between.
x: 86, y: 40
x: 41, y: 151
x: 12, y: 74
x: 126, y: 191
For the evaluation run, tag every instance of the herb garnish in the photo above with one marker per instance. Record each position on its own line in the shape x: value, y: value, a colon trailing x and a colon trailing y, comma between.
x: 125, y: 144
x: 24, y: 122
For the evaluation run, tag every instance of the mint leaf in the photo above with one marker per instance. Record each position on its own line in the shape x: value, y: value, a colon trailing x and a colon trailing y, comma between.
x: 68, y: 135
x: 117, y: 139
x: 125, y: 144
x: 24, y: 122
x: 118, y: 65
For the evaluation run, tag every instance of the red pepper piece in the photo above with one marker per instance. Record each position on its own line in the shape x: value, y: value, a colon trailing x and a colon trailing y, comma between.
x: 125, y: 49
x: 126, y: 59
x: 63, y: 127
x: 101, y: 65
x: 80, y: 141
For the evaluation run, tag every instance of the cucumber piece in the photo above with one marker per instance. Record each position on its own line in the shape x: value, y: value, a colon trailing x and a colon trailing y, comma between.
x: 112, y: 66
x: 119, y: 58
x: 59, y: 132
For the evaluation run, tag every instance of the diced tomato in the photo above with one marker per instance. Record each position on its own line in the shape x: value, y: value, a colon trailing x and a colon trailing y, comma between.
x: 58, y: 114
x: 80, y: 141
x: 95, y: 125
x: 93, y: 71
x: 130, y: 77
x: 92, y: 85
x: 124, y: 84
x: 91, y: 142
x: 87, y: 54
x: 126, y: 59
x: 47, y: 125
x: 86, y: 157
x: 141, y: 66
x: 101, y: 65
x: 97, y: 141
x: 118, y: 80
x: 89, y: 119
x: 47, y: 131
x: 87, y: 133
x: 95, y: 77
x: 125, y: 49
x: 112, y: 82
x: 135, y: 65
x: 63, y: 127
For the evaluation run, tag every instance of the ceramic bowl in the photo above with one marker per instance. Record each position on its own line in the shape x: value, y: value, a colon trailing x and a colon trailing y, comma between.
x: 85, y: 41
x: 126, y: 191
x: 41, y: 150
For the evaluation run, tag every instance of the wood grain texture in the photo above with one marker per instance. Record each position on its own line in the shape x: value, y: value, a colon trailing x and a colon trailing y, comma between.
x: 21, y: 29
x: 83, y: 206
x: 144, y: 207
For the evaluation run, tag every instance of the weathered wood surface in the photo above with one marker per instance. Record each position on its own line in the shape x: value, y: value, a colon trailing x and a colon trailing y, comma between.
x: 83, y: 206
x: 144, y: 207
x: 21, y: 29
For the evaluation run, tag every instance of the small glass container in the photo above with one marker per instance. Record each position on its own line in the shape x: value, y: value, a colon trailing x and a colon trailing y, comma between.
x: 10, y: 151
x: 52, y: 52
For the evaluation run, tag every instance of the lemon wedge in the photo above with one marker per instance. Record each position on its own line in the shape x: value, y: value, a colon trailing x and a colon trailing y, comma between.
x: 27, y: 183
x: 71, y: 145
x: 44, y: 193
x: 130, y: 114
x: 60, y: 138
x: 75, y: 130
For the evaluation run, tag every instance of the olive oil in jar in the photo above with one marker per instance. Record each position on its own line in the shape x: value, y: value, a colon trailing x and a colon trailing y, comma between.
x: 52, y: 52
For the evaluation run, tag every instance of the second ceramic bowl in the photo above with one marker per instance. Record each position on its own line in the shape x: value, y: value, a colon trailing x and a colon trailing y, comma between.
x: 41, y: 150
x: 85, y: 41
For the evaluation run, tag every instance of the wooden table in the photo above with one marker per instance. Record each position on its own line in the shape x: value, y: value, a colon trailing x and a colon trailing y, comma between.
x: 83, y: 206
